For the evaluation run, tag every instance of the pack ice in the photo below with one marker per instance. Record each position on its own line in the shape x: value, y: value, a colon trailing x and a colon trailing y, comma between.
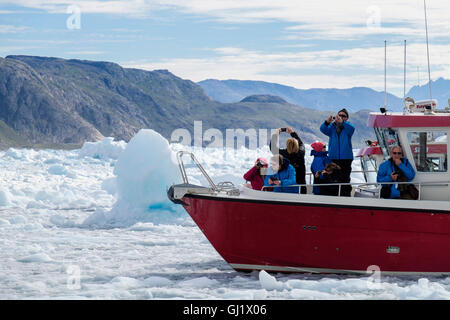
x: 95, y: 223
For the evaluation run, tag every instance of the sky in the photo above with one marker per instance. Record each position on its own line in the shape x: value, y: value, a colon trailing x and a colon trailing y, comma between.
x: 304, y: 44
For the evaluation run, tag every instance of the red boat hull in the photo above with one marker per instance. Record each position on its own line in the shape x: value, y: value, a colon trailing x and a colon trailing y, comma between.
x: 305, y: 237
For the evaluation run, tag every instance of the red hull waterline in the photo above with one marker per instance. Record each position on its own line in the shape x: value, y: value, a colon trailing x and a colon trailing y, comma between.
x: 318, y: 237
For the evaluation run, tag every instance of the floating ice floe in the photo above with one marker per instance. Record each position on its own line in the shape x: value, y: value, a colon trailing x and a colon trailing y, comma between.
x: 144, y: 171
x: 106, y: 148
x: 36, y: 258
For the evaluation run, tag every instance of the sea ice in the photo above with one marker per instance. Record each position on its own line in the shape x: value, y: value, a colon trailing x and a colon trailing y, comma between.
x: 104, y: 229
x: 269, y: 282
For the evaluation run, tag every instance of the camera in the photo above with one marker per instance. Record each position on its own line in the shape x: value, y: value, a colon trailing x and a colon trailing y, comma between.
x: 282, y: 129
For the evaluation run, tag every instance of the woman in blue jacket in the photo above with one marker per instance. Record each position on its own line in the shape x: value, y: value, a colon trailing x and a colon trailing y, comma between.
x: 393, y: 170
x: 281, y: 174
x: 340, y: 148
x: 321, y: 159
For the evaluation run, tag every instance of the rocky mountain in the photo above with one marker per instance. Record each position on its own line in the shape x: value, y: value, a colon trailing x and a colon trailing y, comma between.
x: 440, y: 90
x: 53, y: 102
x: 354, y: 99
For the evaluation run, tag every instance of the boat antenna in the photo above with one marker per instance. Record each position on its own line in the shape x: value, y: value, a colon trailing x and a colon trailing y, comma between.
x: 428, y: 52
x: 385, y: 93
x: 404, y: 74
x: 418, y: 77
x: 405, y: 108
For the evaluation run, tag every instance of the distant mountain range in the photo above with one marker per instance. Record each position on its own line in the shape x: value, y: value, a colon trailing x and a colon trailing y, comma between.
x: 440, y: 90
x: 354, y: 99
x: 53, y: 102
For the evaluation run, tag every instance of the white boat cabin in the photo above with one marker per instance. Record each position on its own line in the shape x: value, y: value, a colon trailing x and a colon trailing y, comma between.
x: 422, y: 131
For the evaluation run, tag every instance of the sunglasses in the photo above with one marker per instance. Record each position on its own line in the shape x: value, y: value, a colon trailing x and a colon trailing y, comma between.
x: 397, y: 152
x: 342, y: 115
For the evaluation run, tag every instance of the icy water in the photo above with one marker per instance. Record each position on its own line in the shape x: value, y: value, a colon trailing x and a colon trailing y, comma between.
x: 94, y: 223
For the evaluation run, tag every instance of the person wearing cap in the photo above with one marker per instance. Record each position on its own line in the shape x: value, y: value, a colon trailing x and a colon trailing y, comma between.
x: 321, y: 159
x: 294, y: 152
x: 340, y: 149
x: 256, y: 174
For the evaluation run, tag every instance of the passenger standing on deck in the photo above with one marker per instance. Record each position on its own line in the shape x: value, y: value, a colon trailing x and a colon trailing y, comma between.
x: 340, y: 149
x: 321, y: 159
x: 294, y: 152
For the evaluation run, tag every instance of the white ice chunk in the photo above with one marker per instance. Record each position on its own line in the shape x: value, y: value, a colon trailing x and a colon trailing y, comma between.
x: 106, y: 148
x: 269, y: 282
x: 36, y: 258
x: 143, y: 172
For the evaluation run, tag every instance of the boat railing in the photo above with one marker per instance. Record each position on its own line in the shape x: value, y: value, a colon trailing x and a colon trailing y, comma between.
x: 180, y: 154
x: 225, y: 186
x: 310, y: 175
x: 375, y: 189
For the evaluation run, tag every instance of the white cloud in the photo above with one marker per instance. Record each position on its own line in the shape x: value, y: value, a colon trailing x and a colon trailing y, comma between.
x: 122, y: 7
x: 329, y: 19
x: 308, y: 69
x: 12, y: 29
x: 85, y: 52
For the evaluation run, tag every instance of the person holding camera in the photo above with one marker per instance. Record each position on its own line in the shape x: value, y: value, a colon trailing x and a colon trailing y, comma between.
x: 280, y: 175
x: 294, y: 152
x: 331, y: 174
x: 396, y: 169
x: 256, y: 174
x: 340, y: 150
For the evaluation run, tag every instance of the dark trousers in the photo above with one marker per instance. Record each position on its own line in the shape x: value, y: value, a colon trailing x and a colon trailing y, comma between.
x: 346, y: 171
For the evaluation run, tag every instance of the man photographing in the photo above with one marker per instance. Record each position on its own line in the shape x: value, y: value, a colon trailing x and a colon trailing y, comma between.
x: 340, y: 150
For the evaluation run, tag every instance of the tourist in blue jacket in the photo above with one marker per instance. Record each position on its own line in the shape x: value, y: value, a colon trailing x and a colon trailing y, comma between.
x: 281, y: 174
x: 340, y: 149
x: 395, y: 169
x: 321, y: 159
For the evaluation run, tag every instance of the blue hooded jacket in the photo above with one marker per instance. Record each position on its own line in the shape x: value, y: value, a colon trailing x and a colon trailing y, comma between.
x: 387, y: 168
x: 339, y: 145
x: 286, y: 175
x: 319, y: 163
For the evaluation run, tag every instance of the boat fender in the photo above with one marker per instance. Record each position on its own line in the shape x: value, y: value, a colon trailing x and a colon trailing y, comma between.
x: 170, y: 195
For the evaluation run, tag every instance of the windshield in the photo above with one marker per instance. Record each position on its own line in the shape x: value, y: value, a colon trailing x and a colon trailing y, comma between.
x: 387, y: 138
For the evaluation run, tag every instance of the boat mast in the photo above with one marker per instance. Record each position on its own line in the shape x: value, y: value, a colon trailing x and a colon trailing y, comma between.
x: 418, y: 77
x: 428, y: 52
x: 405, y: 107
x: 385, y: 92
x: 404, y: 74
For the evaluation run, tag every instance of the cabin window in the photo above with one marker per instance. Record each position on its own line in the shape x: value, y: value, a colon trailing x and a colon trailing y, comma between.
x: 387, y: 138
x: 429, y: 150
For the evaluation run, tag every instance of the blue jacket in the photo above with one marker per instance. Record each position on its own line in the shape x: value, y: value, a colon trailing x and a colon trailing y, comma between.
x: 339, y: 145
x: 319, y: 163
x: 387, y: 168
x: 286, y: 175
